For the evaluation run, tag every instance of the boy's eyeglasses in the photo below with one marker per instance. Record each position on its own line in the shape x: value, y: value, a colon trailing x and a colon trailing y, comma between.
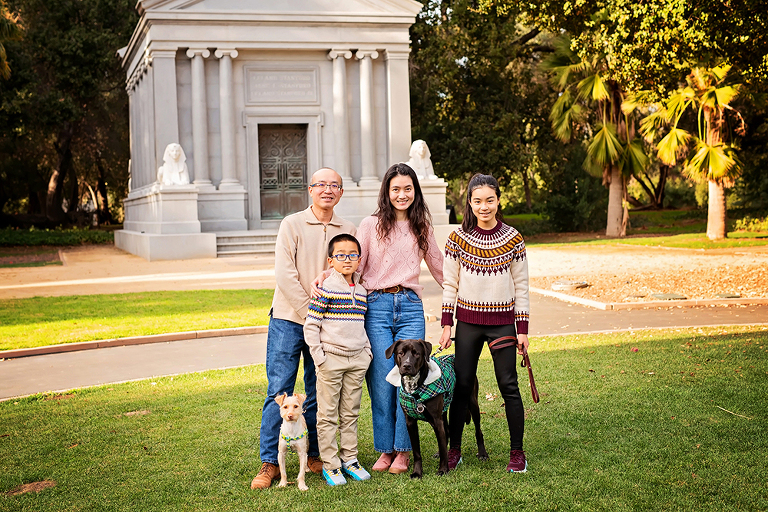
x: 333, y: 186
x: 343, y: 257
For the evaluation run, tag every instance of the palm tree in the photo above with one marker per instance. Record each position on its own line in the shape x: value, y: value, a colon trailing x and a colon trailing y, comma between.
x: 708, y: 157
x: 10, y: 30
x: 613, y: 150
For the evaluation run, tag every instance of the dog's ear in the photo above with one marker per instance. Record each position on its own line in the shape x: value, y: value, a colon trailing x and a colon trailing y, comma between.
x: 427, y: 348
x: 300, y: 397
x: 391, y: 349
x: 279, y: 399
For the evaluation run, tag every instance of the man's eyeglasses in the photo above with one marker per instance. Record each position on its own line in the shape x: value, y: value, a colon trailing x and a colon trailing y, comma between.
x: 343, y: 257
x: 333, y: 186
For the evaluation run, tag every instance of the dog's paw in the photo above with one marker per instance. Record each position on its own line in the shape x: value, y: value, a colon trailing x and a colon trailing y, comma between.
x: 483, y: 455
x: 442, y: 472
x: 303, y: 486
x: 415, y: 475
x: 283, y: 484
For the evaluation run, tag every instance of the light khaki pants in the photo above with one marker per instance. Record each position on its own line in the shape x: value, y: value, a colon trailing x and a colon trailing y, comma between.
x: 339, y: 391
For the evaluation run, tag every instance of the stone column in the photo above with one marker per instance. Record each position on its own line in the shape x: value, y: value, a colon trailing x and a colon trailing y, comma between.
x: 227, y: 118
x: 340, y: 115
x: 166, y: 118
x: 199, y: 117
x: 367, y: 128
x: 398, y: 106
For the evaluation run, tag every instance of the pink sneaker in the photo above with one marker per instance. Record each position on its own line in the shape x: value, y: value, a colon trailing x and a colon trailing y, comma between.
x: 401, y: 463
x: 517, y: 462
x: 384, y: 462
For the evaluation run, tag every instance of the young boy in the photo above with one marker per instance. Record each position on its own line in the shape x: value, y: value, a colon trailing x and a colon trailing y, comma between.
x: 335, y: 333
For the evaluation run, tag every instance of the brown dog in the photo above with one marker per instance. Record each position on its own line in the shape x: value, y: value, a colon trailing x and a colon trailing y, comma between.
x: 412, y: 360
x: 293, y: 434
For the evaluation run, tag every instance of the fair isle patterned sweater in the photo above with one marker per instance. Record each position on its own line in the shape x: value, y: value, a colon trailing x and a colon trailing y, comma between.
x: 485, y: 276
x: 336, y: 320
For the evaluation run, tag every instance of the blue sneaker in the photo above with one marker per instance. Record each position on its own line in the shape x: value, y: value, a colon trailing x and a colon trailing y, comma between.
x: 355, y: 471
x: 334, y: 477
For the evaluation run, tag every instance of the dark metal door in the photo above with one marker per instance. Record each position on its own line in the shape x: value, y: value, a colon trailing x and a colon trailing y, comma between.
x: 282, y: 169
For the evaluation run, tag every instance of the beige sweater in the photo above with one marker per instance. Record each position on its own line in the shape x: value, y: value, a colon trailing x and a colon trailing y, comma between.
x: 301, y: 253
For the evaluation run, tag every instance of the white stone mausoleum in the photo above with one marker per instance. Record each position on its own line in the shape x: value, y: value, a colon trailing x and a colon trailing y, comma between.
x: 260, y: 94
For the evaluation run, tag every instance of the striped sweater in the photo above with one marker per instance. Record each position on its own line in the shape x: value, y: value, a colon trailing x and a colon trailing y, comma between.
x: 336, y: 320
x: 485, y: 276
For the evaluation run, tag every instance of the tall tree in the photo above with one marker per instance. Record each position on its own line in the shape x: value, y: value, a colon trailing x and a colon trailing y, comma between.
x: 66, y: 94
x: 591, y: 104
x: 10, y: 30
x: 709, y: 154
x: 477, y: 97
x: 652, y: 45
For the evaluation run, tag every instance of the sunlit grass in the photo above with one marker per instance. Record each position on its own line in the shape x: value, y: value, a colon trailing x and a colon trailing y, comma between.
x: 40, y: 321
x: 679, y: 424
x: 687, y: 240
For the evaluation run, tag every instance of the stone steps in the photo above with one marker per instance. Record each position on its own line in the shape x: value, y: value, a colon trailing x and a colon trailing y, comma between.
x: 242, y: 243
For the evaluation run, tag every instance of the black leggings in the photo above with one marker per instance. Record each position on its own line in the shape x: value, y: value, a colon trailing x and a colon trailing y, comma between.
x: 470, y: 339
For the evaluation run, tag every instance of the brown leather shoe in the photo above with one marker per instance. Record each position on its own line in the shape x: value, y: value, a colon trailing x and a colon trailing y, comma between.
x: 267, y: 473
x: 315, y: 465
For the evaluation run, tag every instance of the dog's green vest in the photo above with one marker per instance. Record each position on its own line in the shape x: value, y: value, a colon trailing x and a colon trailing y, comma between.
x: 413, y: 404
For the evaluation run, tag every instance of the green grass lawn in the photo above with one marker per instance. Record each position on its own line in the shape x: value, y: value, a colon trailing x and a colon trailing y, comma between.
x: 39, y: 321
x: 684, y: 241
x: 615, y: 430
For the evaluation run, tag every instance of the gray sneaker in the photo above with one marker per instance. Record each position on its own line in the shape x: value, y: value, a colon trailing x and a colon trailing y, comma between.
x: 334, y: 477
x: 355, y: 471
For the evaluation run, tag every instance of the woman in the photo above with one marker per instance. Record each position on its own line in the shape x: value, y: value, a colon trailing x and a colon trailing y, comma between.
x: 394, y: 240
x: 486, y: 282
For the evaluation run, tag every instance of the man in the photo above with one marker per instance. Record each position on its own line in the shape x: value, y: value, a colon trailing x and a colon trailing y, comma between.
x: 300, y: 255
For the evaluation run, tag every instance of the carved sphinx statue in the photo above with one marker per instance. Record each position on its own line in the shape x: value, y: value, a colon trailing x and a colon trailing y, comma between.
x: 174, y: 169
x: 420, y: 160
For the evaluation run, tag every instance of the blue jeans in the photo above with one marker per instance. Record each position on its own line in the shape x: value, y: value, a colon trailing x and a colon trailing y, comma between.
x: 285, y: 345
x: 390, y: 317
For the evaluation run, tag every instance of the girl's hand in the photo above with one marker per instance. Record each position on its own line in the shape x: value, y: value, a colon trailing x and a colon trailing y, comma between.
x: 316, y: 284
x: 522, y: 341
x: 445, y: 339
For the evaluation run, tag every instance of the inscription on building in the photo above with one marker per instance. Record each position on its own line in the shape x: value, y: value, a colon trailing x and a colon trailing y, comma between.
x: 275, y: 86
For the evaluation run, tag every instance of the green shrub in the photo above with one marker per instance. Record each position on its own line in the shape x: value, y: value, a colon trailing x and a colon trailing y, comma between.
x: 749, y: 223
x: 74, y: 236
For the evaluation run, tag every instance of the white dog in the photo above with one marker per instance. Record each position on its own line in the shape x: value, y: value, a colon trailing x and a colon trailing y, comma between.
x: 293, y: 434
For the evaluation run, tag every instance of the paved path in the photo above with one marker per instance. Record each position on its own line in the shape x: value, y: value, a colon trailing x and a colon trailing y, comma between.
x: 108, y: 271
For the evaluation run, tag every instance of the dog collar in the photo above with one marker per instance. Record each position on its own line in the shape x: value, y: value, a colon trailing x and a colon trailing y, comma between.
x: 288, y: 439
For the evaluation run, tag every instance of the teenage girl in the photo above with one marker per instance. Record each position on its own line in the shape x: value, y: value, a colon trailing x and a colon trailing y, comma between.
x: 486, y: 284
x: 394, y: 240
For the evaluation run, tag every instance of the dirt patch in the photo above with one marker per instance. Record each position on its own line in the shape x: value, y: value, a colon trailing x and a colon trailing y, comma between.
x: 137, y: 413
x: 33, y: 487
x: 58, y: 397
x: 696, y: 282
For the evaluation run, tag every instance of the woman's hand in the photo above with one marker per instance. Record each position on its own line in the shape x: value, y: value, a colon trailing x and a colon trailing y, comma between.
x: 445, y: 339
x: 316, y: 284
x: 522, y: 341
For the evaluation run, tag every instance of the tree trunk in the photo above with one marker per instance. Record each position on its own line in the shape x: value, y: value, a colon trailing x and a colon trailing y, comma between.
x: 55, y: 185
x: 615, y: 204
x: 716, y: 212
x: 105, y: 215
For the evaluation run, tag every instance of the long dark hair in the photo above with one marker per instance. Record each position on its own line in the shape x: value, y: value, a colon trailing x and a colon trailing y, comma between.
x: 479, y: 180
x: 419, y: 218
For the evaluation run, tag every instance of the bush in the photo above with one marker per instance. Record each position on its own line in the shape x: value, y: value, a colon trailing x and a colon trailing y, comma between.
x: 11, y: 237
x: 577, y: 201
x: 749, y: 223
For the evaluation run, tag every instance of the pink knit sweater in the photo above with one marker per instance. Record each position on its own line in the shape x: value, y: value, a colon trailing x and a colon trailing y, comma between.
x: 396, y: 260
